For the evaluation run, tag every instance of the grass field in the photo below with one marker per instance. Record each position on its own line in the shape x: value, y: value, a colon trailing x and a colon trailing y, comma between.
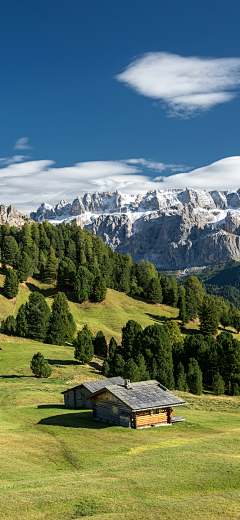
x: 59, y: 464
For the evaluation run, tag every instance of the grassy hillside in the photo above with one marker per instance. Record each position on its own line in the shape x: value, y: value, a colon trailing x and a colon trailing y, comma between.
x: 59, y: 464
x: 109, y: 316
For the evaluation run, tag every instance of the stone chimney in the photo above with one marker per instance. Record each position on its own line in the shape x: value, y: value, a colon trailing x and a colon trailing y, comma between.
x: 127, y: 384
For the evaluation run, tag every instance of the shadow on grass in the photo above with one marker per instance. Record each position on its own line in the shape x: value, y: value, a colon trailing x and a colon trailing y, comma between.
x: 161, y: 319
x: 48, y: 293
x: 13, y: 376
x: 63, y: 362
x: 75, y: 420
x: 59, y: 406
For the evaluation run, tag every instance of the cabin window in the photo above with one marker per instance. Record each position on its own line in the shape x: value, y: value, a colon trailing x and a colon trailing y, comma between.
x: 114, y: 409
x: 154, y: 411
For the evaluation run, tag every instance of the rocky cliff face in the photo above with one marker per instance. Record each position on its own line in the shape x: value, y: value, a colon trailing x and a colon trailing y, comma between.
x: 174, y: 229
x: 10, y: 215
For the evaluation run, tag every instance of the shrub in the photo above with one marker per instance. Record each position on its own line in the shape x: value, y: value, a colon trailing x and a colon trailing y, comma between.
x: 40, y: 366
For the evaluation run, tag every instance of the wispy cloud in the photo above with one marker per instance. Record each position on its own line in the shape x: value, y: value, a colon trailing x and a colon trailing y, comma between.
x: 157, y: 166
x: 12, y: 160
x: 185, y: 86
x: 22, y: 144
x: 26, y: 185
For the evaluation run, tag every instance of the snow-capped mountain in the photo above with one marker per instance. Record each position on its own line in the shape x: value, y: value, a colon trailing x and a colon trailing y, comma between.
x: 174, y: 229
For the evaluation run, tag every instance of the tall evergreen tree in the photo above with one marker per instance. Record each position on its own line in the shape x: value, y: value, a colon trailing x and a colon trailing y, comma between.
x: 143, y: 372
x: 156, y: 343
x: 100, y: 344
x: 51, y: 268
x: 57, y: 331
x: 21, y: 322
x: 182, y: 304
x: 194, y: 297
x: 9, y: 250
x: 131, y: 370
x: 11, y: 284
x: 208, y: 316
x: 24, y: 267
x: 218, y: 384
x: 37, y: 314
x: 181, y: 383
x: 112, y: 348
x: 100, y: 289
x: 83, y: 345
x: 194, y: 377
x: 130, y: 332
x: 154, y: 291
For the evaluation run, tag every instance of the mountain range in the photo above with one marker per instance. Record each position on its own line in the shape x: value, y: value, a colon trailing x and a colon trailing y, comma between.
x: 174, y: 229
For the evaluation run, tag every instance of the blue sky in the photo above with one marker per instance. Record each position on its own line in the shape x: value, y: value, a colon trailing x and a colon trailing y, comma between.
x: 93, y: 83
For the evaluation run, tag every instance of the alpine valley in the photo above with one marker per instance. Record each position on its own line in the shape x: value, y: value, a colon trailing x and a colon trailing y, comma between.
x: 174, y: 229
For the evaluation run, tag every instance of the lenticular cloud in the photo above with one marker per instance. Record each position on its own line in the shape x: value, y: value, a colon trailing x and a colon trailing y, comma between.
x: 184, y: 85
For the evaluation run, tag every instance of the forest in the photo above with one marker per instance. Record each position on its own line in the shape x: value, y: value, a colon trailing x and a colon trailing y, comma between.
x: 81, y: 265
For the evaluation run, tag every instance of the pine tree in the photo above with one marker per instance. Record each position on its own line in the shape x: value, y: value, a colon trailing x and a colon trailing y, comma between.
x: 21, y: 322
x: 11, y: 284
x: 100, y: 344
x: 24, y: 267
x: 181, y: 384
x: 208, y: 316
x: 154, y: 369
x: 9, y: 325
x: 57, y: 331
x: 106, y: 369
x: 130, y: 332
x: 218, y: 384
x: 182, y: 305
x: 236, y: 322
x: 9, y: 250
x: 40, y: 366
x: 84, y: 351
x: 117, y: 365
x: 131, y: 370
x: 194, y: 297
x: 81, y: 290
x: 174, y: 292
x: 154, y: 292
x: 37, y: 314
x: 235, y: 389
x: 66, y: 272
x: 50, y: 271
x: 194, y: 377
x: 172, y: 330
x: 112, y: 348
x: 100, y: 289
x: 143, y: 373
x: 87, y: 331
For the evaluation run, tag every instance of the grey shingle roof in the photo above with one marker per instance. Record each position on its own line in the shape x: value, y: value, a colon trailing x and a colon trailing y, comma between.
x: 94, y: 386
x: 144, y: 395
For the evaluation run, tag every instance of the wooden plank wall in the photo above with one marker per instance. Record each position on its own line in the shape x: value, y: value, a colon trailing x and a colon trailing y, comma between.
x: 74, y: 398
x: 103, y: 406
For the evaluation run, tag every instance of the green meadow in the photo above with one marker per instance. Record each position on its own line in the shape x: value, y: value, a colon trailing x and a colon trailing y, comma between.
x: 61, y: 464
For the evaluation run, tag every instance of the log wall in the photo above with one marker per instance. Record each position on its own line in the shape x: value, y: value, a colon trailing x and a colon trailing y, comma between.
x: 74, y: 398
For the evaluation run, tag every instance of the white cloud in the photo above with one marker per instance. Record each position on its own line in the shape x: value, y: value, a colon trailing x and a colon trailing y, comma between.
x: 221, y: 175
x: 14, y: 159
x: 157, y: 166
x: 26, y: 185
x: 22, y: 144
x: 184, y: 85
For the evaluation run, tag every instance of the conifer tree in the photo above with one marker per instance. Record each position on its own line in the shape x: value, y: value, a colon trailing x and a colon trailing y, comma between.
x: 21, y: 322
x: 9, y: 250
x: 112, y: 348
x: 208, y: 316
x: 87, y: 331
x: 117, y: 365
x: 130, y: 332
x: 194, y: 297
x: 194, y: 377
x: 40, y: 366
x: 9, y: 325
x: 57, y: 331
x: 142, y: 368
x: 100, y: 289
x: 11, y: 284
x: 182, y: 304
x: 66, y: 272
x: 51, y: 268
x: 131, y: 370
x: 174, y: 292
x: 218, y: 384
x: 100, y: 344
x: 83, y: 345
x: 24, y: 266
x: 106, y: 368
x: 37, y: 315
x: 154, y: 291
x: 181, y: 383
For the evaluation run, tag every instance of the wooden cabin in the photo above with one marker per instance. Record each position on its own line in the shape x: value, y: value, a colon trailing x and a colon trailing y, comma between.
x: 78, y: 397
x: 136, y: 405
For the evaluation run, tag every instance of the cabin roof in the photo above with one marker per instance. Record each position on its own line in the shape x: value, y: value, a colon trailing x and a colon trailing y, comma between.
x: 143, y: 395
x: 94, y: 386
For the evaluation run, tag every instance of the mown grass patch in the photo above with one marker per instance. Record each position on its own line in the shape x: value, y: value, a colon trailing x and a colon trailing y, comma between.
x: 61, y: 464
